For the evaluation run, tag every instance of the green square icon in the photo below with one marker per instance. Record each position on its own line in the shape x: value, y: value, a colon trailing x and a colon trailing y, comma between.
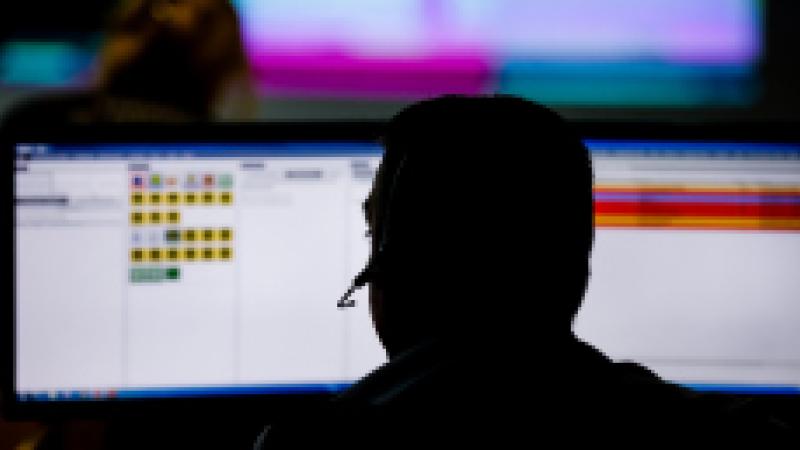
x: 225, y: 181
x: 172, y: 274
x: 173, y: 236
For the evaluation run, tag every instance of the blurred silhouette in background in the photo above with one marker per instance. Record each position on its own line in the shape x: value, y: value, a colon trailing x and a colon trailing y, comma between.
x: 481, y: 217
x: 161, y: 61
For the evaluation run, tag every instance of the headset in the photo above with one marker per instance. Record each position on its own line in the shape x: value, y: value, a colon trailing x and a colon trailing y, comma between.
x: 373, y: 268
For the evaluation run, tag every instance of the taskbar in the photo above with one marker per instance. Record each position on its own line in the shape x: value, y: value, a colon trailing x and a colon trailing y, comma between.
x: 89, y: 395
x: 310, y: 388
x: 744, y: 389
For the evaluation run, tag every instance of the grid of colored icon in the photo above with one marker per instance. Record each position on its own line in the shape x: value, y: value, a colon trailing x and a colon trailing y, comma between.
x: 158, y: 243
x: 157, y: 189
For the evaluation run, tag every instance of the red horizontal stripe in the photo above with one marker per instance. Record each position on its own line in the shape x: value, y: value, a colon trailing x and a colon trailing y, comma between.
x: 698, y: 209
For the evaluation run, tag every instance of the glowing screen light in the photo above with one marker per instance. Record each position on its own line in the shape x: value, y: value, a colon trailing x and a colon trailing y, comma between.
x: 605, y: 52
x: 42, y: 63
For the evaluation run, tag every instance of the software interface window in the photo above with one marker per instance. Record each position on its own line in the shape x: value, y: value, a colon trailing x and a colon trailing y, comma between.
x: 694, y: 271
x: 167, y: 270
x: 160, y: 270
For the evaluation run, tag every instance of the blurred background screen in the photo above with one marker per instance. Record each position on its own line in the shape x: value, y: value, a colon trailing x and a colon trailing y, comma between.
x: 356, y: 59
x: 610, y: 52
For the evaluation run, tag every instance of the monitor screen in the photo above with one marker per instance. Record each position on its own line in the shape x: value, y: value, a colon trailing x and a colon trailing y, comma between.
x: 694, y: 269
x: 190, y: 270
x: 195, y: 270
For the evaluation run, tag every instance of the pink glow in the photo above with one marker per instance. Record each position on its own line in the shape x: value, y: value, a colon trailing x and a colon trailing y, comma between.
x: 345, y: 75
x: 413, y: 48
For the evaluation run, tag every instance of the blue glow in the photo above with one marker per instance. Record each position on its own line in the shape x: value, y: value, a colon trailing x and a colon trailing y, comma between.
x: 184, y: 392
x: 42, y: 63
x: 225, y: 391
x: 631, y: 83
x: 756, y: 389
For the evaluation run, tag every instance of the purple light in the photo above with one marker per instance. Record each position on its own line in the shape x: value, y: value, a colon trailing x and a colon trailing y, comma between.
x: 355, y: 77
x: 408, y: 48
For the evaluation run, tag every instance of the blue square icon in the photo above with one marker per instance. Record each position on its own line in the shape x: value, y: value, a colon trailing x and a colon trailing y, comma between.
x: 137, y: 181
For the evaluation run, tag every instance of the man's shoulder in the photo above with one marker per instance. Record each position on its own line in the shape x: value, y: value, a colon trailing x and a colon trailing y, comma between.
x: 431, y: 393
x: 432, y: 375
x: 407, y: 376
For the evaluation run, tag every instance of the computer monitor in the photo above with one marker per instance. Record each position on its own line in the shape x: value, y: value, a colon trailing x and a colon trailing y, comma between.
x: 696, y: 256
x: 191, y: 268
x: 174, y: 264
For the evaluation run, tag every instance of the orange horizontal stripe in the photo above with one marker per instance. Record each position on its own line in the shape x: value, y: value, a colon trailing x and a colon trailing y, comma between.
x: 697, y: 222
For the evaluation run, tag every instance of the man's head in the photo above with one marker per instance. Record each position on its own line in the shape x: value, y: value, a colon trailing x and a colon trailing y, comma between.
x: 481, y: 222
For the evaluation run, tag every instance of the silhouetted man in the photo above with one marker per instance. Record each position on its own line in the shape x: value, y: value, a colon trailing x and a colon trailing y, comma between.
x: 481, y: 219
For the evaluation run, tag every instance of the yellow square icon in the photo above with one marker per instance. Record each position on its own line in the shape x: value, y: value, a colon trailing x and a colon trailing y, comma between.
x: 155, y: 254
x: 173, y: 198
x: 173, y: 217
x: 225, y: 234
x: 190, y: 254
x: 226, y: 198
x: 225, y: 253
x: 138, y: 218
x: 208, y: 234
x: 208, y: 253
x: 190, y: 198
x: 189, y: 235
x: 138, y: 255
x: 208, y: 198
x: 156, y: 217
x: 156, y: 198
x: 138, y: 199
x: 173, y: 254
